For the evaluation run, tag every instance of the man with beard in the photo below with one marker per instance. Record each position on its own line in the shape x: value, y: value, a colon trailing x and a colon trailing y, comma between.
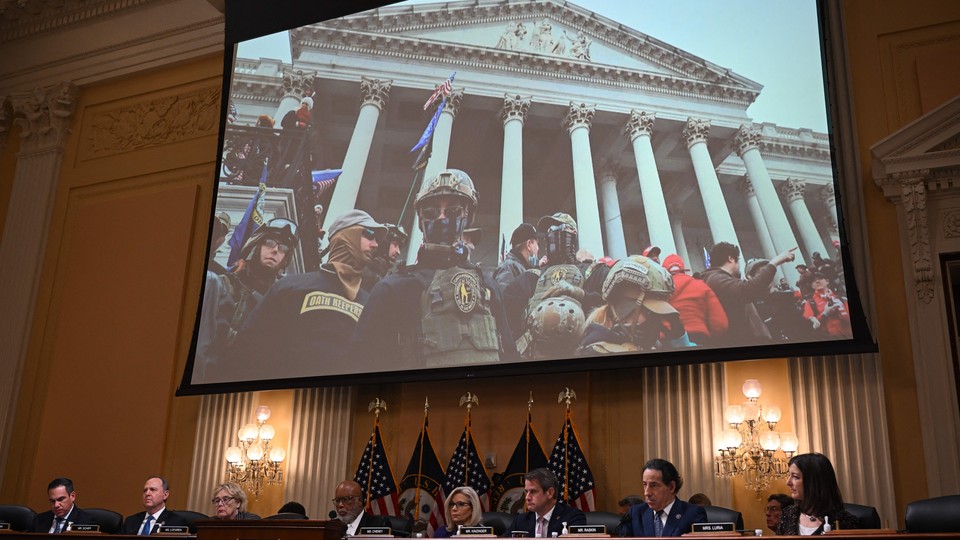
x: 302, y: 326
x: 348, y: 500
x: 385, y: 260
x: 443, y: 310
x: 230, y: 298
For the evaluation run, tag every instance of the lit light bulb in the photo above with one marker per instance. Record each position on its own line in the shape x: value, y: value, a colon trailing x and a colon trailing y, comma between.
x: 277, y: 455
x: 733, y: 414
x: 789, y: 442
x: 751, y: 411
x: 751, y: 388
x: 262, y: 413
x: 732, y: 438
x: 255, y: 453
x: 770, y: 441
x: 248, y: 433
x: 267, y: 432
x: 233, y: 455
x: 771, y: 414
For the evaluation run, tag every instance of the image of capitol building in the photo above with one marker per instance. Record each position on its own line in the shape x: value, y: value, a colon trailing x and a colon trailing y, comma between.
x: 554, y: 108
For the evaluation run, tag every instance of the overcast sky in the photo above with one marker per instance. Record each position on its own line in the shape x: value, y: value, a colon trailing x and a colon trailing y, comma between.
x: 773, y: 42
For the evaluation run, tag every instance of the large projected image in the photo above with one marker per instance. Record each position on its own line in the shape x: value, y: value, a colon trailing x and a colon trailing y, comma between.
x: 453, y: 188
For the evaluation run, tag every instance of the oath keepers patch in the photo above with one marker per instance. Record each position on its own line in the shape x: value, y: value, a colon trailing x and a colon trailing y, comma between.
x: 466, y: 287
x: 318, y: 301
x: 558, y: 274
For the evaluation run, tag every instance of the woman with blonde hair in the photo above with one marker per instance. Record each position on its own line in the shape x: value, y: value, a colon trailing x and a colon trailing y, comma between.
x: 229, y: 500
x: 462, y: 508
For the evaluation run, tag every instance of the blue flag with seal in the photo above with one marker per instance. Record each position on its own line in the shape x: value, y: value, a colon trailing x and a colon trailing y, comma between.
x: 421, y: 494
x: 251, y: 221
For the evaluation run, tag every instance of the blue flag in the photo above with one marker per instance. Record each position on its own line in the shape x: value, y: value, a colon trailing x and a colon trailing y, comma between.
x: 421, y: 489
x: 251, y: 221
x: 428, y: 133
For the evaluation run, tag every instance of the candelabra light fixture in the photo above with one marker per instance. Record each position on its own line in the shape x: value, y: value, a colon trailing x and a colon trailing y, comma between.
x: 752, y: 447
x: 255, y: 463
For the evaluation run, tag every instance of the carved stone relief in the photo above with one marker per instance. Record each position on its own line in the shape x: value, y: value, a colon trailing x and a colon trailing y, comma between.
x: 44, y: 115
x: 540, y: 38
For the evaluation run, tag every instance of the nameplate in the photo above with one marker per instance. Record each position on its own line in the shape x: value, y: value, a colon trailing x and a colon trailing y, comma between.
x: 587, y: 529
x: 173, y: 529
x: 79, y: 527
x: 519, y: 534
x: 4, y: 526
x: 474, y: 531
x: 713, y: 527
x: 376, y: 531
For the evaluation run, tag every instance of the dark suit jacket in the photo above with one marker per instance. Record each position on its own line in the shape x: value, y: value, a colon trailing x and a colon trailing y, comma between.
x: 561, y: 513
x: 44, y: 520
x: 132, y: 524
x: 681, y: 519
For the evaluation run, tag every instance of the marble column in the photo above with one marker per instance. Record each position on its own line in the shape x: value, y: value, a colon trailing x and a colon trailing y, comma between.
x: 44, y: 116
x: 763, y: 234
x: 676, y: 225
x: 747, y: 144
x: 793, y: 191
x: 718, y: 214
x: 577, y: 122
x: 829, y: 197
x: 375, y: 95
x: 639, y: 129
x: 294, y: 85
x: 438, y: 161
x: 514, y: 112
x: 612, y: 221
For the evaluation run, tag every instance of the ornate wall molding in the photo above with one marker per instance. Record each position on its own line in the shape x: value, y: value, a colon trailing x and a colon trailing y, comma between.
x: 44, y: 115
x: 913, y: 192
x: 153, y: 122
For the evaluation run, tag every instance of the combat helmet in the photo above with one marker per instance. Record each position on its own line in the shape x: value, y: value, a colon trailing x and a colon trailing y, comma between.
x: 451, y: 182
x: 636, y: 281
x: 556, y: 324
x: 561, y: 236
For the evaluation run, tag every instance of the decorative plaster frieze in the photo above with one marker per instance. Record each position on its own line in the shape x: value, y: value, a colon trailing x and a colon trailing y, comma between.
x: 44, y: 115
x: 153, y: 122
x: 951, y: 223
x: 23, y: 18
x: 913, y: 193
x: 640, y: 123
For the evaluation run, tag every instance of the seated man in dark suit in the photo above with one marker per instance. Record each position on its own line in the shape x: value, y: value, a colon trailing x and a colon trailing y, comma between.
x: 155, y: 493
x: 348, y: 499
x: 63, y: 512
x: 545, y: 514
x: 663, y: 514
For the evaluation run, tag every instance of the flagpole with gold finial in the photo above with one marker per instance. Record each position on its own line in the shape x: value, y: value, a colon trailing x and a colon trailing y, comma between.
x: 469, y: 400
x: 566, y: 396
x: 376, y: 406
x: 423, y: 431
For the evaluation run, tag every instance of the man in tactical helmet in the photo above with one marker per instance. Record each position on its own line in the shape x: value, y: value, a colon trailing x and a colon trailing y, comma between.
x: 306, y: 320
x: 228, y: 299
x: 442, y: 311
x: 636, y: 314
x: 385, y: 259
x: 548, y: 307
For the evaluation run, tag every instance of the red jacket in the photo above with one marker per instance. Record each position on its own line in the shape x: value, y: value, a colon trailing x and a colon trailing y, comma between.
x: 837, y: 323
x: 699, y: 307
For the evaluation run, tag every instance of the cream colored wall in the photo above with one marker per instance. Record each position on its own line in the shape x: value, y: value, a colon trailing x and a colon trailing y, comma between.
x: 122, y: 271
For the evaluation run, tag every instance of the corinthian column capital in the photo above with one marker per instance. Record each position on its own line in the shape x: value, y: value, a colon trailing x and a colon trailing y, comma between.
x: 640, y: 123
x: 515, y: 107
x: 375, y: 92
x: 747, y: 139
x: 44, y: 115
x: 793, y: 189
x: 696, y: 130
x: 579, y: 115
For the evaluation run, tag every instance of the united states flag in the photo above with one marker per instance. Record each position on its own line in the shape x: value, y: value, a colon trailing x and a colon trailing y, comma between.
x: 444, y: 89
x: 375, y: 476
x: 570, y: 465
x: 466, y: 469
x: 232, y: 113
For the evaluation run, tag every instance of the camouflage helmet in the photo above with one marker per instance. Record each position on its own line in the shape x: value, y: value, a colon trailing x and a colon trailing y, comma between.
x: 638, y: 280
x: 556, y: 324
x: 449, y: 182
x: 280, y: 229
x: 558, y: 218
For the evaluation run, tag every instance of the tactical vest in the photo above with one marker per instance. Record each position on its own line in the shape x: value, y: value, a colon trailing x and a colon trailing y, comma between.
x: 565, y: 326
x: 457, y: 323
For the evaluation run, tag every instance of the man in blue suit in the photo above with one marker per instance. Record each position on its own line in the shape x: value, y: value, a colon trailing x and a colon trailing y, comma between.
x: 545, y: 514
x: 663, y: 514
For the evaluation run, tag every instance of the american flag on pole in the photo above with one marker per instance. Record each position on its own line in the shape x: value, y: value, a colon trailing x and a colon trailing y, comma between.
x: 421, y: 489
x: 324, y: 180
x: 375, y: 477
x: 573, y: 473
x: 232, y: 113
x: 466, y: 469
x: 443, y: 89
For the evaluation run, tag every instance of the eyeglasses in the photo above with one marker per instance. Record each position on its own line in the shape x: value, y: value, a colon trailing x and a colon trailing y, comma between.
x: 368, y: 233
x: 221, y: 500
x: 344, y: 500
x: 273, y: 244
x: 430, y: 213
x: 772, y: 509
x: 460, y: 504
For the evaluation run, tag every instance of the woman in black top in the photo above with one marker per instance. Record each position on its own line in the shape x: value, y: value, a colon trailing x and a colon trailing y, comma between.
x: 813, y: 485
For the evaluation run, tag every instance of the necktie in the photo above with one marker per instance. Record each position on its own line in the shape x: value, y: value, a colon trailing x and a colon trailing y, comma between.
x: 147, y: 525
x: 541, y: 527
x: 59, y: 528
x: 658, y: 523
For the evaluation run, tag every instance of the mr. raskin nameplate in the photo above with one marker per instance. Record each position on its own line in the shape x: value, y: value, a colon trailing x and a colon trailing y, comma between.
x: 173, y: 529
x: 713, y: 527
x: 79, y: 527
x: 4, y: 526
x: 587, y: 529
x: 376, y: 531
x: 475, y: 531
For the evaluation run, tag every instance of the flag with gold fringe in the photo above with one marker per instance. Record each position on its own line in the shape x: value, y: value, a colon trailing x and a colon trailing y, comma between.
x: 568, y: 462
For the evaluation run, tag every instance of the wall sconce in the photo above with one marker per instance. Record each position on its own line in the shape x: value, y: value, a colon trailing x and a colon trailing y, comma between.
x: 752, y: 447
x: 254, y: 461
